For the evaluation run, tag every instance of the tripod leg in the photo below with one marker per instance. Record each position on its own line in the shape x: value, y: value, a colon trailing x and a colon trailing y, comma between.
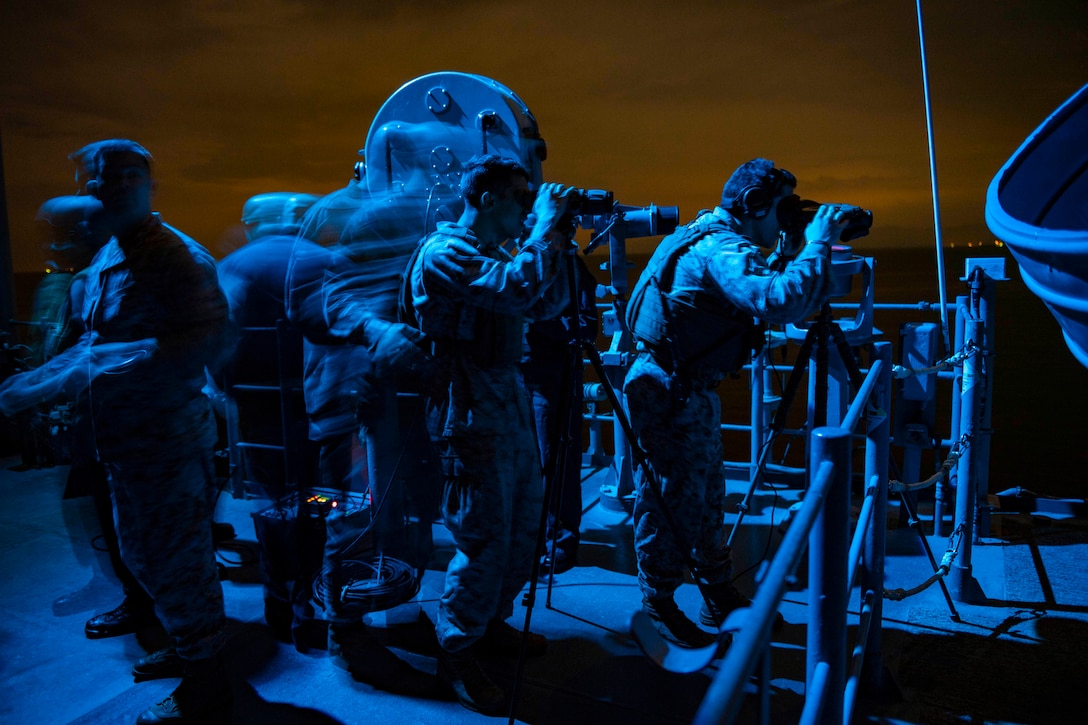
x: 846, y: 353
x: 778, y: 423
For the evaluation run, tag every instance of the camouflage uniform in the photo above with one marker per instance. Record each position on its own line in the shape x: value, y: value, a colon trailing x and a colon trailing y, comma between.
x: 492, y: 498
x: 153, y: 425
x: 675, y: 410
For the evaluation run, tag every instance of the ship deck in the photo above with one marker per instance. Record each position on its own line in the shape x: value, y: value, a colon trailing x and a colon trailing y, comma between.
x: 1018, y: 657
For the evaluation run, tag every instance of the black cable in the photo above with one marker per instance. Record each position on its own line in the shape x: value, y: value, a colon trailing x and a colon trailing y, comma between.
x: 373, y: 585
x: 245, y: 555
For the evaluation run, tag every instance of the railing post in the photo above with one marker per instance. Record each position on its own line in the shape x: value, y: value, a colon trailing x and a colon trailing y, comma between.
x: 877, y: 439
x: 952, y: 483
x: 829, y: 544
x: 757, y: 376
x: 981, y: 443
x: 961, y: 581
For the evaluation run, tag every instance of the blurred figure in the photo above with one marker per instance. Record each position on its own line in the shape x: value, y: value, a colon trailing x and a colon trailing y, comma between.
x: 471, y: 298
x: 76, y: 228
x: 87, y: 474
x: 554, y: 377
x: 85, y: 173
x: 253, y: 279
x: 153, y: 424
x: 692, y: 314
x: 72, y: 234
x: 70, y: 237
x: 372, y: 431
x: 270, y: 354
x: 326, y: 220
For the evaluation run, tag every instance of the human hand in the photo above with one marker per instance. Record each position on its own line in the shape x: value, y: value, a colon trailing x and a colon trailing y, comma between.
x: 70, y: 372
x: 457, y: 260
x: 550, y: 206
x: 113, y: 358
x: 400, y: 350
x: 826, y: 226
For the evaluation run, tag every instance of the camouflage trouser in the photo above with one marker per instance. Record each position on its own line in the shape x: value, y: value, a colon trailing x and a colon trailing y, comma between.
x: 492, y: 506
x: 682, y: 440
x: 163, y: 506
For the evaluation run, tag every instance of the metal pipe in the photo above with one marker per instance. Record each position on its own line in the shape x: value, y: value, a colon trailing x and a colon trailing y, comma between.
x: 755, y: 439
x: 861, y: 399
x: 723, y: 698
x: 815, y: 695
x: 933, y: 182
x: 983, y: 434
x: 861, y: 532
x: 877, y: 444
x: 827, y: 566
x: 962, y: 583
x: 857, y: 658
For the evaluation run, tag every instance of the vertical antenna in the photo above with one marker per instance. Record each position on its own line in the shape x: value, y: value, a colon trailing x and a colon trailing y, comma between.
x: 933, y: 184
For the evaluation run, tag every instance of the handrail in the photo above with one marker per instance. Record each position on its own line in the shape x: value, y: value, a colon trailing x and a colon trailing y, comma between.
x: 853, y: 415
x: 821, y: 527
x: 814, y: 695
x: 722, y: 698
x: 857, y: 658
x: 865, y: 517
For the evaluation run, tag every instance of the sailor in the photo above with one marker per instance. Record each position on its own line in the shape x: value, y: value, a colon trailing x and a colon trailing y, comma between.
x: 153, y: 424
x: 693, y: 316
x: 362, y: 370
x: 472, y: 297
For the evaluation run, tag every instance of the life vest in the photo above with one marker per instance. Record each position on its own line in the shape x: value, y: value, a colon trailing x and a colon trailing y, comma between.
x: 691, y: 331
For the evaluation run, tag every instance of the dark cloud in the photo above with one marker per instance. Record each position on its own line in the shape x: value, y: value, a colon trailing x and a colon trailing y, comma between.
x: 657, y: 101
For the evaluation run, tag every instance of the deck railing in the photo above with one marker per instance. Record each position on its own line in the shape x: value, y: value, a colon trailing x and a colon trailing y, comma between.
x: 835, y: 560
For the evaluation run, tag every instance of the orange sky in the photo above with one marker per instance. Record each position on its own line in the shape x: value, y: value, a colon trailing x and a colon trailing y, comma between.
x: 656, y: 100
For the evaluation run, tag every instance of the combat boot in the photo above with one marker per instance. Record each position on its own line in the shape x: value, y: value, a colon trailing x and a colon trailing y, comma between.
x: 203, y: 690
x: 505, y: 640
x: 724, y: 598
x: 131, y: 615
x: 674, y: 625
x: 470, y: 684
x: 158, y: 665
x: 353, y: 649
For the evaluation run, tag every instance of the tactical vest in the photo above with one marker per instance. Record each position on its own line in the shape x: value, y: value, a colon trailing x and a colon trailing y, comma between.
x: 690, y: 331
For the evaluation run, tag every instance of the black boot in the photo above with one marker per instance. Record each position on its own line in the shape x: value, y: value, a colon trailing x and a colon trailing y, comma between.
x: 356, y: 651
x: 724, y: 598
x: 505, y: 640
x: 673, y: 625
x: 203, y: 690
x: 472, y: 686
x: 128, y: 617
x: 158, y: 665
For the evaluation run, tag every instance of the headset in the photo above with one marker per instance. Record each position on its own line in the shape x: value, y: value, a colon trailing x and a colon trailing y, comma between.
x: 756, y: 200
x: 92, y: 188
